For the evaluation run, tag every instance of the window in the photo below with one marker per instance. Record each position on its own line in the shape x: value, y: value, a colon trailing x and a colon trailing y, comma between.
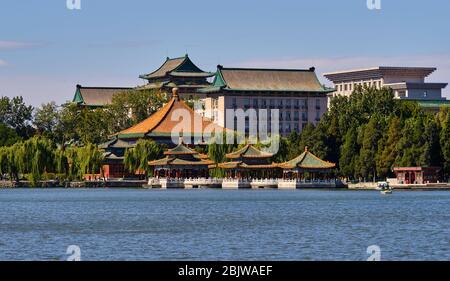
x: 288, y: 116
x: 317, y: 115
x: 425, y: 94
x: 255, y: 103
x: 304, y: 116
x: 296, y: 116
x: 296, y: 127
x: 345, y: 87
x: 288, y: 103
x: 246, y: 103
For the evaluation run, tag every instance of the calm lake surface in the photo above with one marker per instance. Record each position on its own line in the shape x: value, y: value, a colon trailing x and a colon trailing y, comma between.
x: 132, y: 224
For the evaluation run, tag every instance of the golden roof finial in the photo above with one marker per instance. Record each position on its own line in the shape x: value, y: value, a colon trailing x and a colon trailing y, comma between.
x: 175, y: 93
x: 306, y: 148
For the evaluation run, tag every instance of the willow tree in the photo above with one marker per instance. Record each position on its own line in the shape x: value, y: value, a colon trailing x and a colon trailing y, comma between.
x: 217, y: 149
x: 90, y: 159
x: 137, y: 158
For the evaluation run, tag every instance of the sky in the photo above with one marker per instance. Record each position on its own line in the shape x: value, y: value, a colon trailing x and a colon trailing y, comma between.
x: 46, y: 48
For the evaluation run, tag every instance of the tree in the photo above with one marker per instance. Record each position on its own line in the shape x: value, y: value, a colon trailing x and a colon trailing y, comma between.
x: 46, y: 118
x: 389, y: 151
x: 17, y: 115
x: 368, y: 140
x: 445, y: 143
x: 133, y: 106
x: 349, y: 152
x: 90, y: 159
x: 8, y: 136
x: 137, y: 158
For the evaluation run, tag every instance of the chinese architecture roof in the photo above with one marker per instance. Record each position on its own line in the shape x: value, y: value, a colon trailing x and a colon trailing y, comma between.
x: 180, y: 149
x: 177, y: 67
x: 182, y: 155
x: 167, y: 120
x: 307, y: 160
x: 248, y: 151
x: 243, y: 165
x: 116, y: 143
x: 271, y: 80
x: 95, y: 96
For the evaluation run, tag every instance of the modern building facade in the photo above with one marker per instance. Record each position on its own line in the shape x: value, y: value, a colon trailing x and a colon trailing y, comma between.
x: 297, y: 94
x: 408, y: 83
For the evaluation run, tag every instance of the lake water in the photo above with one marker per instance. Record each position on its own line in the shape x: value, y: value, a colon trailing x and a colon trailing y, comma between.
x: 133, y: 224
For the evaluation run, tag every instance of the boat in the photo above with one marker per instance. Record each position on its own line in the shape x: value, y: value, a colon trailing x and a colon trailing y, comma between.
x: 384, y: 188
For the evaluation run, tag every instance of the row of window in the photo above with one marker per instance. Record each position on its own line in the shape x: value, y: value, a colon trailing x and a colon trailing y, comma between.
x: 351, y: 86
x: 275, y: 103
x: 286, y: 128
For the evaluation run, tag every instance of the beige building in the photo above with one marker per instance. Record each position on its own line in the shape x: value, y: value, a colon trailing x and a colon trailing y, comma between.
x: 297, y: 94
x: 407, y: 82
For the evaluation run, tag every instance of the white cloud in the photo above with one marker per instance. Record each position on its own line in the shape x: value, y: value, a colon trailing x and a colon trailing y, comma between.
x: 10, y: 45
x: 2, y: 62
x: 330, y: 64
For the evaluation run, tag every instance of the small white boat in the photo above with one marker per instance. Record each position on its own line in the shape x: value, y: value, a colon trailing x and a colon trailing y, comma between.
x: 387, y: 191
x: 384, y: 188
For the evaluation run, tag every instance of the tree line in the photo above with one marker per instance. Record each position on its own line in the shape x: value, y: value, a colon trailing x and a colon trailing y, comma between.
x: 369, y: 132
x: 365, y: 134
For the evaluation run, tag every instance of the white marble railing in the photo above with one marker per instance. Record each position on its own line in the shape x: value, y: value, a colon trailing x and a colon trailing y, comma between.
x: 265, y: 181
x: 202, y: 181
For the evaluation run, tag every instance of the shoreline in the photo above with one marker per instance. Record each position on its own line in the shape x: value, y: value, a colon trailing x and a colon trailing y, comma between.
x: 141, y: 184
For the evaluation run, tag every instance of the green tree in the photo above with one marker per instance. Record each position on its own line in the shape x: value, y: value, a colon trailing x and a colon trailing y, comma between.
x: 369, y: 138
x: 8, y: 136
x: 349, y: 153
x: 445, y: 144
x: 17, y: 115
x: 46, y: 118
x: 137, y: 158
x: 389, y: 151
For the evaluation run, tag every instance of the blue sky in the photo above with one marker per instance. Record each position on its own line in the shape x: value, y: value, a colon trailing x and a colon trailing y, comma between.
x: 46, y: 49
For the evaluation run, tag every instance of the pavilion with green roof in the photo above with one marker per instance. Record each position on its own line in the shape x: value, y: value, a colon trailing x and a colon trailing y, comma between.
x: 179, y: 73
x: 306, y: 163
x: 181, y: 162
x: 249, y: 162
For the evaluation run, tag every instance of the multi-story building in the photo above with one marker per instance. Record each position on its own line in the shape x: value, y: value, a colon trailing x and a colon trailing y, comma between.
x: 297, y: 94
x: 407, y: 83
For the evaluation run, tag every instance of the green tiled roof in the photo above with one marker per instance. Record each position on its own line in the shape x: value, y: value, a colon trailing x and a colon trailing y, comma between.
x: 307, y: 160
x: 181, y: 66
x: 270, y: 80
x: 249, y: 151
x: 180, y: 149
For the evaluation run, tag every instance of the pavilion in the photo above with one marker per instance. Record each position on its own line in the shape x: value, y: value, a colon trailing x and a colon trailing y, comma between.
x: 247, y: 166
x: 305, y: 169
x: 181, y: 163
x: 306, y: 164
